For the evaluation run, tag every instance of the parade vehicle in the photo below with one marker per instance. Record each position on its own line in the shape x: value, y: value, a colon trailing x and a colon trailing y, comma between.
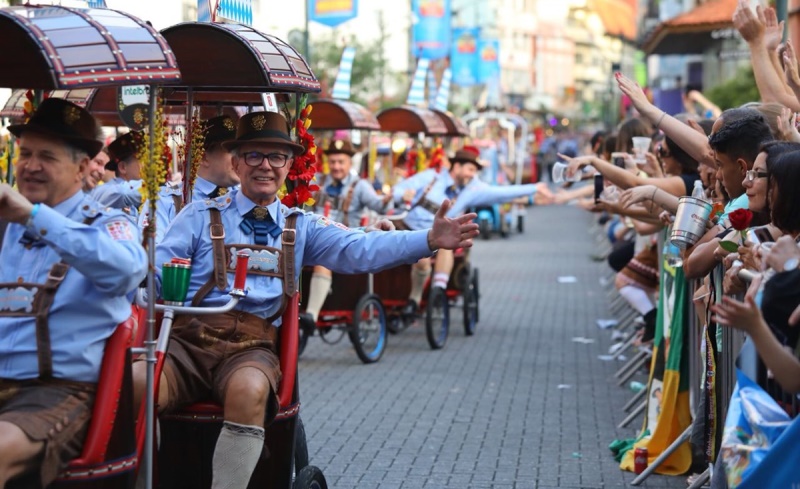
x: 501, y: 218
x: 60, y: 48
x: 351, y: 307
x: 394, y: 285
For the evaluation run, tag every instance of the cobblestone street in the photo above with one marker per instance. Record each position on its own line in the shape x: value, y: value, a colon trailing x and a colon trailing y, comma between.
x: 519, y: 405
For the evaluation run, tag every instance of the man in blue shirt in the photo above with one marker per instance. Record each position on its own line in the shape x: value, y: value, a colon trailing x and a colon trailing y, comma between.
x: 215, y: 175
x: 421, y: 192
x: 231, y: 357
x: 123, y: 192
x: 346, y: 196
x: 66, y: 266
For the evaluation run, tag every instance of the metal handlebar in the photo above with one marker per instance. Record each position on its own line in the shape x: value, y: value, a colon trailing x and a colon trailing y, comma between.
x: 236, y: 296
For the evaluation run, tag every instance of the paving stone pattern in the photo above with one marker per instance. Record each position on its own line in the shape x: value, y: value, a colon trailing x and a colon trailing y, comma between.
x: 486, y: 411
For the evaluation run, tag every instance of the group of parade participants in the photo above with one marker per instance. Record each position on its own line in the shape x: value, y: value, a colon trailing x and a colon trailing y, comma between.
x: 72, y: 258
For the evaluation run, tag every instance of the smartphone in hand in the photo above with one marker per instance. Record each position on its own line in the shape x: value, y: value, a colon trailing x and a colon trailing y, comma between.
x: 598, y: 187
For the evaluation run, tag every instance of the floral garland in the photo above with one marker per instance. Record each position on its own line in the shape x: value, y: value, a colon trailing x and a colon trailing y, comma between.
x: 411, y: 163
x: 437, y: 158
x: 197, y: 135
x: 155, y: 169
x: 299, y: 191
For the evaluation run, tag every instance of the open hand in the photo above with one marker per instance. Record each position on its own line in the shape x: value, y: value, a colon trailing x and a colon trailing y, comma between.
x: 773, y: 30
x: 14, y: 207
x: 745, y: 315
x: 790, y: 70
x: 751, y: 26
x: 451, y: 234
x: 576, y: 164
x: 637, y: 195
x: 786, y: 125
x: 633, y: 91
x: 782, y: 250
x: 543, y: 195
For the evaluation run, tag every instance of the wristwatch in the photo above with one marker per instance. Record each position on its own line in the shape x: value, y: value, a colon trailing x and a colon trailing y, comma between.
x: 791, y: 264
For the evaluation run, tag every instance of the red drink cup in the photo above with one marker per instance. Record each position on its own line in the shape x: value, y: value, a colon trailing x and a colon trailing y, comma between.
x: 242, y: 260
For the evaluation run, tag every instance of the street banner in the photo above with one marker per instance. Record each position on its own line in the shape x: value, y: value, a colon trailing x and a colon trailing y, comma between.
x: 416, y: 95
x: 667, y: 415
x: 236, y: 11
x: 97, y: 3
x: 432, y: 88
x: 341, y: 87
x: 488, y: 60
x: 204, y: 10
x: 332, y: 12
x: 431, y: 19
x: 464, y: 56
x: 443, y: 94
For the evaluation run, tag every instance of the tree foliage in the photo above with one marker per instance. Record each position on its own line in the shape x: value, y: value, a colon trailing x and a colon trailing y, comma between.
x: 737, y: 91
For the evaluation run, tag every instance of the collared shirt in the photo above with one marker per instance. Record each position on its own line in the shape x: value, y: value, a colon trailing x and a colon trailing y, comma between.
x: 478, y: 193
x: 319, y: 241
x: 364, y: 197
x: 419, y: 217
x: 106, y: 263
x: 120, y: 194
x: 165, y: 207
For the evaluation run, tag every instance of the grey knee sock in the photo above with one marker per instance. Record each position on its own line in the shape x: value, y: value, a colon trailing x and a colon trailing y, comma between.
x: 236, y: 455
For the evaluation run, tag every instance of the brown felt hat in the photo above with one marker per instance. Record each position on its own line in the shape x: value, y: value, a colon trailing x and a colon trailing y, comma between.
x: 123, y: 148
x: 340, y: 146
x: 465, y: 155
x: 218, y: 130
x: 58, y: 118
x: 263, y: 127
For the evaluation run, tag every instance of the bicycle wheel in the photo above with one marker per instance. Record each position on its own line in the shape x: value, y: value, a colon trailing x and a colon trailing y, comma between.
x: 437, y: 318
x: 368, y: 331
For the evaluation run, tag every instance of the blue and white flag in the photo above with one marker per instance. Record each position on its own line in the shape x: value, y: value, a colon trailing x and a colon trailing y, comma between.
x: 443, y: 94
x: 96, y: 3
x: 341, y: 87
x: 416, y: 95
x: 432, y: 88
x: 204, y: 10
x: 238, y: 11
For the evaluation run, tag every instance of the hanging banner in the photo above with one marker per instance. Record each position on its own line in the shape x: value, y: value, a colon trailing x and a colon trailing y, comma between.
x: 332, y: 12
x: 416, y: 94
x: 464, y: 56
x: 431, y: 31
x: 443, y: 94
x: 237, y: 11
x: 341, y: 87
x: 488, y: 60
x: 97, y: 3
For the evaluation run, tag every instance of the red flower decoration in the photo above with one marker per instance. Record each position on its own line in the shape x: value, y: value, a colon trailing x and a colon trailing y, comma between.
x: 437, y: 158
x: 740, y: 219
x: 304, y: 167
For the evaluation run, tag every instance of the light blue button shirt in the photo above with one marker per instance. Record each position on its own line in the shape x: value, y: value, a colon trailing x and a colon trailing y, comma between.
x: 364, y: 197
x: 419, y: 217
x: 478, y: 193
x: 120, y: 194
x: 319, y: 241
x: 106, y: 263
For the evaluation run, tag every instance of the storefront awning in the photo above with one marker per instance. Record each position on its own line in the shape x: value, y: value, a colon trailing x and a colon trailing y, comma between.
x: 694, y: 31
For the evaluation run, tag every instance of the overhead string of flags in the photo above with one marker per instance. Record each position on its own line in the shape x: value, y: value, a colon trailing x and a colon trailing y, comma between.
x: 240, y: 11
x: 341, y: 87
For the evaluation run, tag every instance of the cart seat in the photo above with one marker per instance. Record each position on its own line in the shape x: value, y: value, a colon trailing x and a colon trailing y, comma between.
x: 109, y: 449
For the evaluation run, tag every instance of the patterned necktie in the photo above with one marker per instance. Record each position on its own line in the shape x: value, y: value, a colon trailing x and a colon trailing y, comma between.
x: 451, y: 192
x: 334, y: 189
x: 28, y: 240
x: 260, y: 223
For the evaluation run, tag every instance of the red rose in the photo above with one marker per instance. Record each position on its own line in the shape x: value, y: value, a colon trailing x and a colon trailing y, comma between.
x: 740, y: 219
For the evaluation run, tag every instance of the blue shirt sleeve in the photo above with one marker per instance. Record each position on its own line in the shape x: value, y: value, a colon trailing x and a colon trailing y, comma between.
x: 479, y: 194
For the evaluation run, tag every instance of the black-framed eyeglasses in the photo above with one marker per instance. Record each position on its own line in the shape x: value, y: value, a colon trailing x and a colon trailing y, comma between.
x: 751, y: 175
x: 662, y: 152
x: 275, y: 160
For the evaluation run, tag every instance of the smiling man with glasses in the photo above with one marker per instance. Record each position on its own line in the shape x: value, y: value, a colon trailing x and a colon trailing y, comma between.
x: 232, y: 358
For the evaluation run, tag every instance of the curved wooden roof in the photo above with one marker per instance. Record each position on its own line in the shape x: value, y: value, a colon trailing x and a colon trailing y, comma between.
x: 412, y: 120
x: 455, y: 126
x: 235, y: 57
x: 331, y: 114
x: 53, y: 47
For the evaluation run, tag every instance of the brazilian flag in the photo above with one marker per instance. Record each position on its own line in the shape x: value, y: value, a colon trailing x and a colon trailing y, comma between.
x: 667, y: 415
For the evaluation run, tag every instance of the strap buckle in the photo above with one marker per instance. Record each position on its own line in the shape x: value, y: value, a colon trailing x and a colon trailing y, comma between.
x: 289, y: 237
x: 217, y: 231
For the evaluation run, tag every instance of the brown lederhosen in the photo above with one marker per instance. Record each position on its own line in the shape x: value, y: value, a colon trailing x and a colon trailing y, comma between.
x: 177, y: 201
x: 323, y: 197
x: 53, y: 411
x: 205, y: 351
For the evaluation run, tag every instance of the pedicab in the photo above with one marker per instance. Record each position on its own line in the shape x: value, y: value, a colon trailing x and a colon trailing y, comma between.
x: 60, y: 48
x: 255, y: 63
x: 393, y: 286
x: 502, y: 218
x: 351, y: 306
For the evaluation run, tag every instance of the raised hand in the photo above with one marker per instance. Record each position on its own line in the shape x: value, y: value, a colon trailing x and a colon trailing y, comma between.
x: 14, y: 207
x: 786, y: 126
x: 576, y: 164
x: 790, y: 70
x: 633, y: 91
x: 451, y: 234
x: 773, y: 30
x: 750, y: 25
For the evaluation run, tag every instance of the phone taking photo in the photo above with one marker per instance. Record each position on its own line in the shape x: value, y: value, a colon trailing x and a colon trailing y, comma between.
x: 598, y: 187
x: 618, y: 159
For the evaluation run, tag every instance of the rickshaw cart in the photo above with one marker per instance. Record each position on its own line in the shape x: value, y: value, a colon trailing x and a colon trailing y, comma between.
x: 394, y: 285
